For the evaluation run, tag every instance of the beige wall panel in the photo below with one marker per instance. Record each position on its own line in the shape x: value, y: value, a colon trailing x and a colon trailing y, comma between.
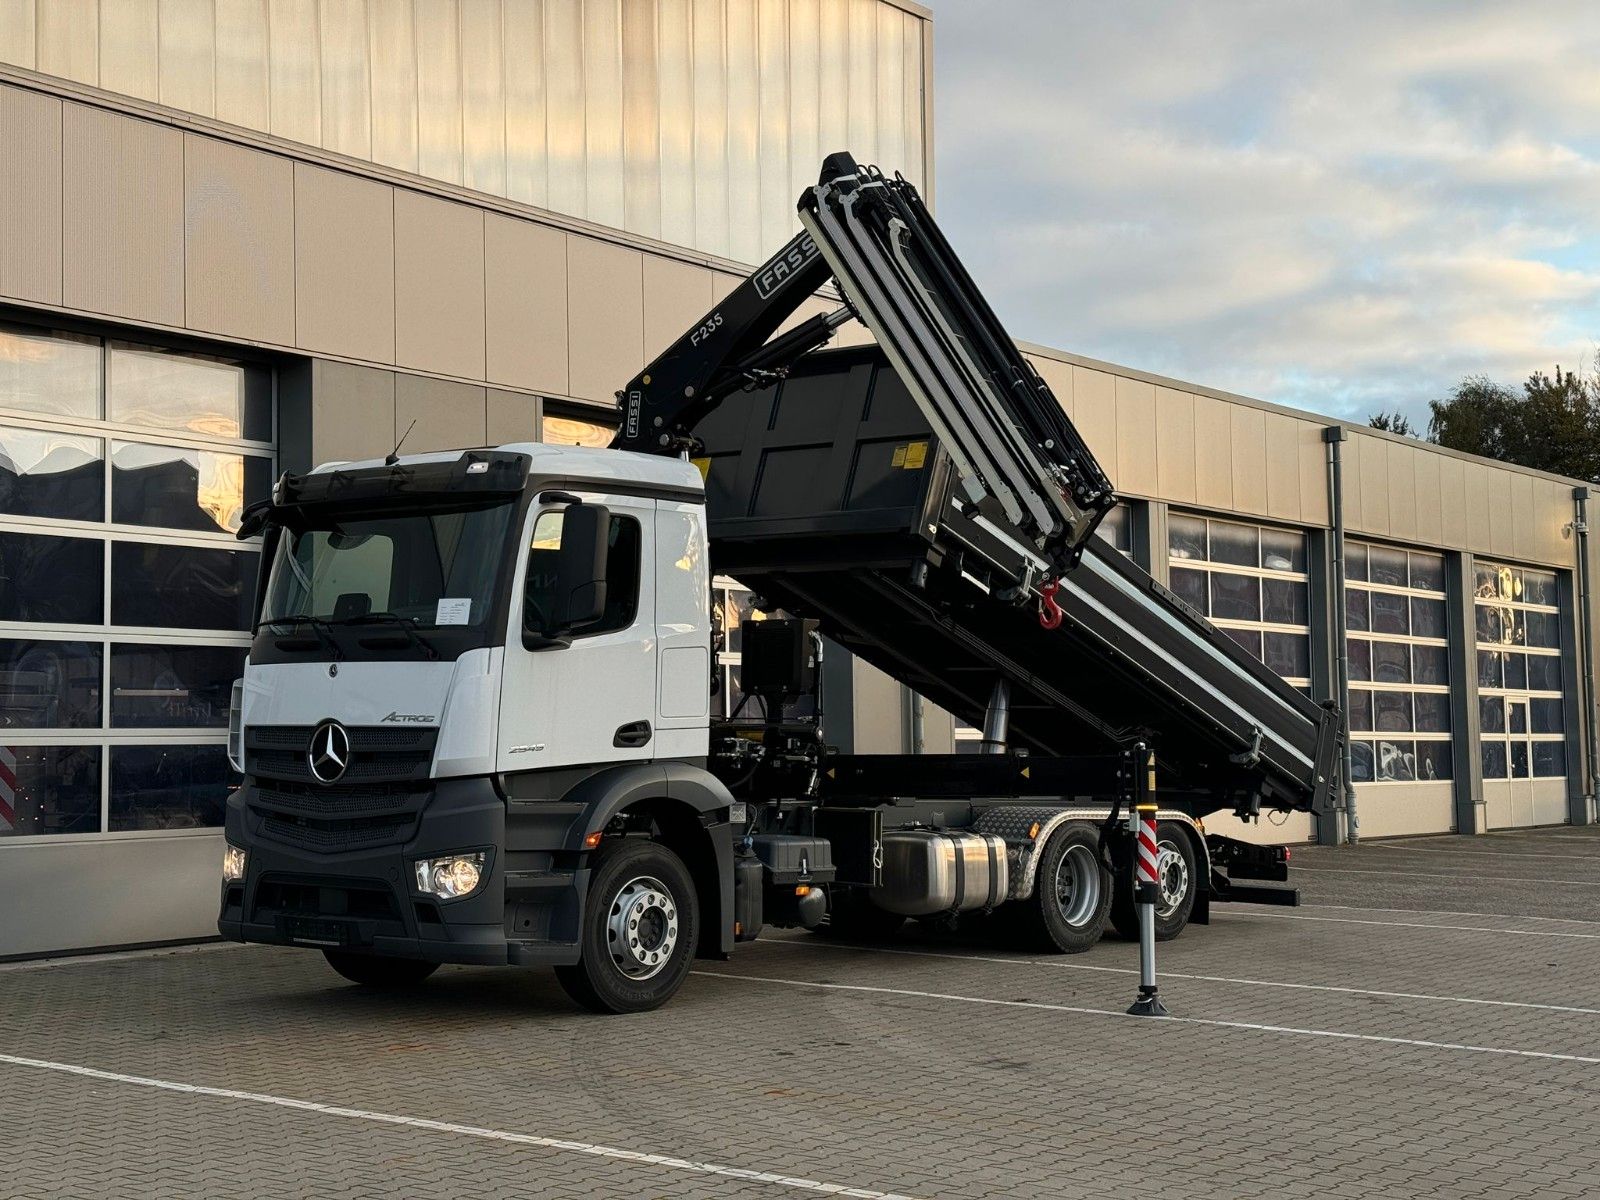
x: 1094, y: 412
x: 512, y: 417
x: 1249, y: 459
x: 1497, y: 488
x: 244, y: 89
x: 1213, y: 453
x: 1522, y: 514
x: 122, y: 216
x: 1430, y: 498
x: 346, y: 79
x: 239, y: 246
x: 1453, y: 513
x: 1372, y: 478
x: 68, y: 39
x: 1136, y: 437
x: 1401, y: 809
x: 525, y: 276
x: 676, y: 295
x: 438, y: 285
x: 448, y: 416
x: 30, y: 196
x: 393, y: 76
x: 1552, y: 511
x: 1283, y: 467
x: 722, y: 283
x: 1057, y: 376
x: 188, y: 54
x: 344, y: 264
x: 1313, y: 457
x: 352, y: 412
x: 295, y: 75
x: 1175, y: 477
x: 17, y: 32
x: 1476, y: 478
x: 605, y: 316
x: 129, y: 48
x: 438, y: 90
x: 1400, y: 463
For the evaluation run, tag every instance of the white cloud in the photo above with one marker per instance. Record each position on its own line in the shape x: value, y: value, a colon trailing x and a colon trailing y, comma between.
x: 1337, y: 206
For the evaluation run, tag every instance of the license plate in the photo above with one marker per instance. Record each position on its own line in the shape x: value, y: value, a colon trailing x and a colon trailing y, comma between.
x: 309, y: 931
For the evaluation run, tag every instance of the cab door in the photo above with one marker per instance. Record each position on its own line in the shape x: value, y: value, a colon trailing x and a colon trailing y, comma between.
x: 594, y: 699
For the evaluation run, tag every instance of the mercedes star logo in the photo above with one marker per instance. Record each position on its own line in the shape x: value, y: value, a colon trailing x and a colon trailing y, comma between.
x: 329, y: 752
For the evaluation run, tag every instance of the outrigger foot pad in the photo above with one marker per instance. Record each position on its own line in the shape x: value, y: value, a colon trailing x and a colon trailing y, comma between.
x: 1148, y: 1005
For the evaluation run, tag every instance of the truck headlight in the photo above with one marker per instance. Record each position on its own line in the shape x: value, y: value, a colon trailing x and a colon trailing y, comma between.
x: 450, y: 877
x: 233, y: 864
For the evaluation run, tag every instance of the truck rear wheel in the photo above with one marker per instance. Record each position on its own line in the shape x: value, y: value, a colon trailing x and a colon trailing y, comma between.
x: 376, y: 971
x: 1071, y: 896
x: 1177, y: 878
x: 640, y: 926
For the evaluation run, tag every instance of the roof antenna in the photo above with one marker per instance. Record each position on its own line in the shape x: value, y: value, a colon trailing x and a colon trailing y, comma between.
x: 393, y: 456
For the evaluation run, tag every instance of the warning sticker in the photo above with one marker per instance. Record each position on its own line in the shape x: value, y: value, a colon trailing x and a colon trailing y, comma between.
x: 910, y: 456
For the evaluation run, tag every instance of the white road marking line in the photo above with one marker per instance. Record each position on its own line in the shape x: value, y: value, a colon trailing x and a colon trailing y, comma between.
x: 1079, y: 1010
x: 493, y: 1135
x: 1550, y: 933
x: 1403, y: 875
x: 81, y: 960
x: 1057, y: 965
x: 1440, y: 912
x: 1588, y: 858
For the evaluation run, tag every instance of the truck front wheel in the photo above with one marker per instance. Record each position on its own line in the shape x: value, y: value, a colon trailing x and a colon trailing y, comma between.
x: 376, y: 971
x: 640, y: 925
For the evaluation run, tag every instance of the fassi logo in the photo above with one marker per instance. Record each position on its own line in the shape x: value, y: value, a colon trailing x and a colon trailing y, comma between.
x: 789, y: 260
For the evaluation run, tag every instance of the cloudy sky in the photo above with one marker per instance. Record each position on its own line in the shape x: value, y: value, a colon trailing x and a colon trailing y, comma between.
x: 1338, y: 206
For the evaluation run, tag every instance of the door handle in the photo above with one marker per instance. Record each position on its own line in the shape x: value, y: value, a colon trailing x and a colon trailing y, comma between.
x: 632, y: 735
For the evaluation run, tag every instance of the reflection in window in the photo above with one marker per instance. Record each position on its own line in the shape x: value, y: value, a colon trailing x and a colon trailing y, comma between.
x: 48, y: 474
x: 168, y: 787
x: 183, y: 488
x: 1522, y: 708
x: 181, y: 587
x: 1116, y: 529
x: 54, y: 374
x: 623, y: 565
x: 51, y: 579
x: 173, y: 687
x: 569, y: 431
x: 49, y: 685
x: 56, y: 790
x: 147, y: 386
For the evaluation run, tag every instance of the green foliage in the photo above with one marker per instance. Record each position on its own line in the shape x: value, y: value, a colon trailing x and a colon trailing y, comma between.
x: 1393, y: 422
x: 1553, y: 424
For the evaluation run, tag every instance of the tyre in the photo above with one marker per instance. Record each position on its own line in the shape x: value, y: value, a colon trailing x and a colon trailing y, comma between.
x: 376, y: 971
x: 1177, y: 877
x: 855, y: 918
x: 1071, y: 896
x: 640, y: 927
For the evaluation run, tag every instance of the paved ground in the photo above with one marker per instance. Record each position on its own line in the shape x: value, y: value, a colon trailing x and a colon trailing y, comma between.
x: 1426, y: 1026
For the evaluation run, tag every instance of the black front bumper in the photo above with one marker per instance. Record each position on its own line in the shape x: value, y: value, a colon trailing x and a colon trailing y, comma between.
x: 365, y: 900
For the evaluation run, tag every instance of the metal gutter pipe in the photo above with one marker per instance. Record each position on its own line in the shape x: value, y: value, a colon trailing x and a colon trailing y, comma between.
x: 1333, y: 437
x: 1591, y: 740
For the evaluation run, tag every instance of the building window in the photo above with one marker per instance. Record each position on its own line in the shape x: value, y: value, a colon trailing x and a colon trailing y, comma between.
x: 1395, y: 618
x: 124, y: 598
x: 1116, y: 529
x: 574, y: 431
x: 1252, y: 582
x: 1521, y: 705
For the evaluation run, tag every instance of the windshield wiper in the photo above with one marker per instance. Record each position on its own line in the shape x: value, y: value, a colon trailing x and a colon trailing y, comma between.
x: 406, y: 625
x: 316, y: 624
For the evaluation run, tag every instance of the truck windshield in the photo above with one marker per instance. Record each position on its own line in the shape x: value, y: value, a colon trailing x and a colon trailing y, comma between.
x: 432, y: 570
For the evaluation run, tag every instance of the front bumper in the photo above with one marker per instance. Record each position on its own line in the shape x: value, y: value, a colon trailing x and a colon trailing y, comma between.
x: 365, y: 900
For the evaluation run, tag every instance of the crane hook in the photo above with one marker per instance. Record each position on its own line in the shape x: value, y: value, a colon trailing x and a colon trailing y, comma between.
x: 1049, y: 611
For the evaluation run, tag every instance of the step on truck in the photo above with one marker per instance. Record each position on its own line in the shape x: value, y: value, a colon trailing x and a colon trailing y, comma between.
x: 475, y: 720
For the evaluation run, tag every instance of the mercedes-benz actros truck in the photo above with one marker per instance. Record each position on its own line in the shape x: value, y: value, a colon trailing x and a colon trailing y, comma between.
x: 475, y: 720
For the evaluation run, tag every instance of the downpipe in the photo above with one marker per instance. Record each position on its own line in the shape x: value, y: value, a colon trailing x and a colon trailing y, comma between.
x: 1591, y: 739
x: 1333, y: 437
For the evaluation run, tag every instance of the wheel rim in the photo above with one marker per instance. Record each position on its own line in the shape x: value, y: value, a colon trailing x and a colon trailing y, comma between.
x: 1172, y: 878
x: 642, y: 927
x: 1077, y: 885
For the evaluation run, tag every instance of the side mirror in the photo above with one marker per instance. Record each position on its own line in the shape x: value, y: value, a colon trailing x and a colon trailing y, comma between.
x: 574, y: 575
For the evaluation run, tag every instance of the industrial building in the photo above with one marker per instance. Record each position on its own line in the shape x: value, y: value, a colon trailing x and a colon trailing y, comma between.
x: 244, y: 236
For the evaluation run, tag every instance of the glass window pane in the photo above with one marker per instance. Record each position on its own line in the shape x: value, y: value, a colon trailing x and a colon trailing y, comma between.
x: 1361, y: 762
x: 1516, y: 669
x: 1117, y: 528
x: 1433, y: 712
x: 1494, y: 760
x: 1490, y: 625
x: 49, y: 685
x: 1544, y: 629
x: 1289, y: 654
x: 1427, y: 571
x: 1390, y: 614
x: 1486, y: 582
x: 1393, y: 711
x: 1357, y: 609
x: 170, y: 687
x: 168, y: 787
x: 1519, y: 760
x: 184, y: 489
x: 1360, y: 651
x: 1235, y: 597
x: 1492, y: 714
x: 1434, y: 760
x: 568, y: 431
x: 1235, y: 544
x: 1491, y: 670
x: 1427, y: 618
x: 1284, y: 601
x: 57, y: 790
x: 46, y: 474
x: 1282, y: 550
x: 1391, y: 662
x: 1429, y: 664
x: 159, y: 388
x: 1516, y: 716
x: 1250, y: 639
x: 1360, y: 709
x: 182, y: 587
x: 55, y: 579
x: 1397, y: 762
x: 1190, y: 586
x: 1388, y: 566
x: 1186, y: 538
x: 1355, y: 561
x: 49, y: 373
x: 1538, y: 587
x: 1544, y: 673
x: 1546, y: 715
x: 1549, y: 759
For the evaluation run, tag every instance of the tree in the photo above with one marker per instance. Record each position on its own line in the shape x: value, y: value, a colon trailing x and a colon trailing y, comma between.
x: 1552, y: 425
x: 1393, y: 422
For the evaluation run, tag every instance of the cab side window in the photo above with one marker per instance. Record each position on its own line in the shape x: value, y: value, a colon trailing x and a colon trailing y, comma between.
x: 622, y: 574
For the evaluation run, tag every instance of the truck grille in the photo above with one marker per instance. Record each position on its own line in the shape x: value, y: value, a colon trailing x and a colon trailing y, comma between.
x: 377, y: 755
x: 363, y: 833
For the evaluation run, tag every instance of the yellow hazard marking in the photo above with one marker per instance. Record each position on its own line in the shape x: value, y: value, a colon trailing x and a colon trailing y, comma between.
x: 703, y: 465
x: 1146, y: 807
x: 916, y: 455
x: 833, y: 772
x: 1027, y: 772
x: 899, y: 459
